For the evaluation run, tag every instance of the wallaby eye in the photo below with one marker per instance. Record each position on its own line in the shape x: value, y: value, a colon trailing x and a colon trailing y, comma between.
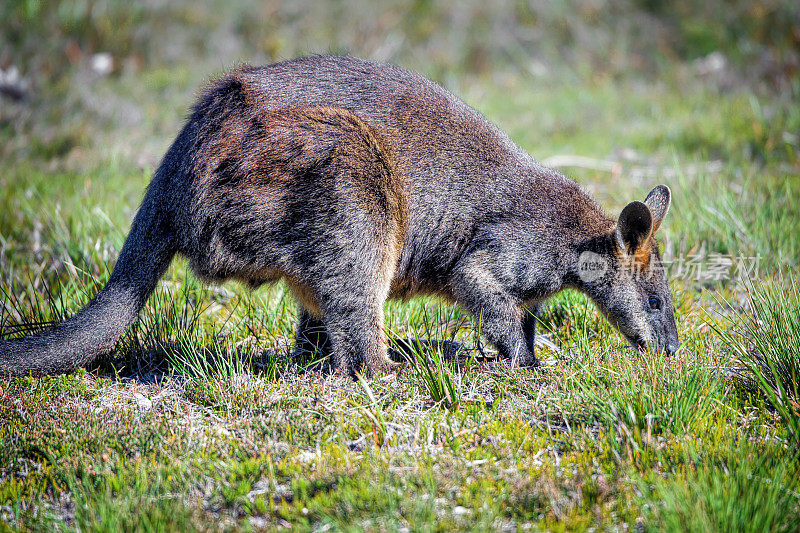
x: 654, y: 302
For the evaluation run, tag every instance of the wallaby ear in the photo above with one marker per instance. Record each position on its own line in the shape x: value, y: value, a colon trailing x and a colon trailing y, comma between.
x: 634, y: 227
x: 658, y: 201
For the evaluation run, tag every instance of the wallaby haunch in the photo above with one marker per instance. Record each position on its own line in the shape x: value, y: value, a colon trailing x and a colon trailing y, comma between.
x: 356, y: 182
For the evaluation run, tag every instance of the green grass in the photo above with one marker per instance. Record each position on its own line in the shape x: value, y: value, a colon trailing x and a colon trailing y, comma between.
x: 200, y: 420
x: 767, y: 342
x: 743, y: 491
x: 436, y: 366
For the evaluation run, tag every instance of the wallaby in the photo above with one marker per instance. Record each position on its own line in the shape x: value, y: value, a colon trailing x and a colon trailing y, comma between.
x: 355, y: 182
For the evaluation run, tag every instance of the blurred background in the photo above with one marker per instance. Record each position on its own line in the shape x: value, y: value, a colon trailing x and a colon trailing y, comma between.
x: 620, y: 94
x: 82, y: 73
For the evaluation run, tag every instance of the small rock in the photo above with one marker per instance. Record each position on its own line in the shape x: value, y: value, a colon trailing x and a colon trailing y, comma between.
x: 260, y: 487
x: 102, y: 63
x: 142, y: 402
x: 12, y: 84
x: 222, y: 432
x: 538, y: 68
x: 306, y: 457
x: 259, y: 522
x: 492, y: 440
x: 713, y: 63
x: 460, y: 511
x: 357, y: 445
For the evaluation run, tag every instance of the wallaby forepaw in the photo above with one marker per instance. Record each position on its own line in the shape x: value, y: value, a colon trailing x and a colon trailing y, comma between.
x: 530, y: 362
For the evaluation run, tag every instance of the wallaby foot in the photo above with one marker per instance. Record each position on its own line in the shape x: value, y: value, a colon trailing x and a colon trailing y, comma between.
x: 505, y: 332
x: 530, y: 316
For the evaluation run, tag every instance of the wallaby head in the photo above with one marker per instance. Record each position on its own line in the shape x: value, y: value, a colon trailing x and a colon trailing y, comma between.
x: 623, y: 273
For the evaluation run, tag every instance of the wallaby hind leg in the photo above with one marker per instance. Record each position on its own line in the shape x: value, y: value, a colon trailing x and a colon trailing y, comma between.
x: 347, y: 296
x: 311, y: 339
x: 357, y: 339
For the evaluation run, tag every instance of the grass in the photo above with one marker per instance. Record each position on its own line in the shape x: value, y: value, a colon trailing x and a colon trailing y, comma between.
x: 766, y: 340
x: 648, y: 394
x: 741, y: 492
x: 435, y: 365
x: 199, y: 419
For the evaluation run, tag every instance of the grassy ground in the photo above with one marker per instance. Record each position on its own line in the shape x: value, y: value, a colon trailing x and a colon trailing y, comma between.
x: 200, y: 420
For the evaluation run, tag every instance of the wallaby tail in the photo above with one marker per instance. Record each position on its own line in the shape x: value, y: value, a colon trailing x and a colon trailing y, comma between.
x: 95, y: 329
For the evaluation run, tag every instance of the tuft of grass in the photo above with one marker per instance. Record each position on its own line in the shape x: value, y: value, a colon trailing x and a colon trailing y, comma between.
x: 766, y: 339
x: 744, y: 492
x: 435, y: 364
x: 215, y: 372
x: 651, y: 395
x: 442, y: 382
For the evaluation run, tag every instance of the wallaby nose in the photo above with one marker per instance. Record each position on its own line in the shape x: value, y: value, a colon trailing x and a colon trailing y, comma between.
x: 671, y: 348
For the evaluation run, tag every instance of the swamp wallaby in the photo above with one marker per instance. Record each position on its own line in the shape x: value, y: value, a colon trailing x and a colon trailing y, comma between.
x: 356, y: 182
